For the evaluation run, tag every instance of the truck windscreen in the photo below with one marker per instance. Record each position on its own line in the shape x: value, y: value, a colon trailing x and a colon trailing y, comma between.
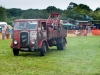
x: 31, y: 25
x: 25, y: 25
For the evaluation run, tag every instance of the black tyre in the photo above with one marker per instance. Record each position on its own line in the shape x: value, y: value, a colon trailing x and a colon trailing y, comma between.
x: 15, y: 52
x: 61, y: 44
x: 58, y: 44
x: 43, y: 49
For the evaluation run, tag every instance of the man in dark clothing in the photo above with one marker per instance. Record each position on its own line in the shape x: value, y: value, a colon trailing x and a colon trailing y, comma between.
x: 81, y: 30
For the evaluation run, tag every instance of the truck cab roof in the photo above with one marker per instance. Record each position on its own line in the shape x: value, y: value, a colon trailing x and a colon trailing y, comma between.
x: 24, y: 20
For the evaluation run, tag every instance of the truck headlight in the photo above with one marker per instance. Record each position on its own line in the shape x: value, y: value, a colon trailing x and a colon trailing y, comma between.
x: 15, y: 42
x: 33, y: 42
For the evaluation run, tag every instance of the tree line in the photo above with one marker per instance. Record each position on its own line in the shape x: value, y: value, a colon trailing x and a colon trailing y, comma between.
x: 73, y: 11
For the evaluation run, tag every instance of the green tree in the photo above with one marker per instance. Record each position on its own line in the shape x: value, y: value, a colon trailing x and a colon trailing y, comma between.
x: 78, y: 12
x: 51, y: 9
x: 15, y: 12
x: 3, y: 16
x: 85, y: 7
x: 91, y: 14
x: 71, y: 5
x: 97, y: 9
x: 35, y: 14
x: 97, y: 15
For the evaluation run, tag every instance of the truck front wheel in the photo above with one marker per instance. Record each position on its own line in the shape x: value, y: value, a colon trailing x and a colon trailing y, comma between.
x: 15, y: 52
x: 43, y: 49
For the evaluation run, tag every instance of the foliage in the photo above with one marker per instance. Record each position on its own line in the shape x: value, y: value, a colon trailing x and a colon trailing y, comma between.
x: 34, y: 13
x: 97, y: 15
x: 51, y: 9
x: 72, y: 3
x: 73, y: 11
x: 85, y: 7
x: 78, y: 12
x: 14, y: 12
x: 97, y: 9
x: 3, y: 16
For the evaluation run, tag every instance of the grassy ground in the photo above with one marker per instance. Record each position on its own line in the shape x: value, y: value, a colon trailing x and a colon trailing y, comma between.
x: 81, y: 57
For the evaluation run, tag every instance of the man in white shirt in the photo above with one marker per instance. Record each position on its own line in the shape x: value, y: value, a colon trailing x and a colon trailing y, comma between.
x: 3, y: 33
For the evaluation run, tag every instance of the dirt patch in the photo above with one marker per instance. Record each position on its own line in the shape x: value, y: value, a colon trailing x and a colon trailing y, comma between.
x: 68, y: 35
x: 71, y: 35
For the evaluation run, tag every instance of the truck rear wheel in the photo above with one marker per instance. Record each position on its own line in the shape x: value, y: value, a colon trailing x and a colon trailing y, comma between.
x: 61, y: 44
x: 15, y: 52
x: 58, y: 46
x: 43, y: 49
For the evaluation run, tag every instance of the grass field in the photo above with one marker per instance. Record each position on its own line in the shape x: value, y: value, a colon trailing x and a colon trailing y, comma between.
x: 81, y: 57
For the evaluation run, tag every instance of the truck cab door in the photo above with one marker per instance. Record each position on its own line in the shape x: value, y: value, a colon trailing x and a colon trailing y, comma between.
x: 42, y: 32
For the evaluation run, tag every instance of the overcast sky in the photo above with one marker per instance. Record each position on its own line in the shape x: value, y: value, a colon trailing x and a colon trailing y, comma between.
x: 43, y: 4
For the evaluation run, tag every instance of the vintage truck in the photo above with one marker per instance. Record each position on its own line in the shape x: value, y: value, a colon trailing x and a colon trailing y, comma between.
x: 32, y: 35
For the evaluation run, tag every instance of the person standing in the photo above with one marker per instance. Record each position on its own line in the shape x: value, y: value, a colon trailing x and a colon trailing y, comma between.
x: 77, y: 32
x: 11, y: 33
x: 3, y: 33
x: 94, y: 28
x: 81, y: 29
x: 89, y: 29
x: 7, y: 32
x: 86, y: 31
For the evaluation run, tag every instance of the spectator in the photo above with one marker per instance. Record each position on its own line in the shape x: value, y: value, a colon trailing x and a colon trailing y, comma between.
x: 3, y: 33
x: 11, y: 33
x: 89, y: 29
x: 81, y: 30
x: 77, y: 30
x: 85, y: 31
x: 7, y: 32
x: 94, y: 28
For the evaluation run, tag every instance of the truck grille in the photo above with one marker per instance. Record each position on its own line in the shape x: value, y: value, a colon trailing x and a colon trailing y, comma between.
x: 24, y: 39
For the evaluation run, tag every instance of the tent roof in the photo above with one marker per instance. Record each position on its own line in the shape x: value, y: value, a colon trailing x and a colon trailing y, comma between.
x: 67, y: 24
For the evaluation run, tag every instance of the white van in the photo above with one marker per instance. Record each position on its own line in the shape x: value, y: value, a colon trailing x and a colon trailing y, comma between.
x: 2, y: 24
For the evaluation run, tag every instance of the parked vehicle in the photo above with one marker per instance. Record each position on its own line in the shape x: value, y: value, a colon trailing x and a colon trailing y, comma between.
x: 1, y: 25
x: 32, y: 35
